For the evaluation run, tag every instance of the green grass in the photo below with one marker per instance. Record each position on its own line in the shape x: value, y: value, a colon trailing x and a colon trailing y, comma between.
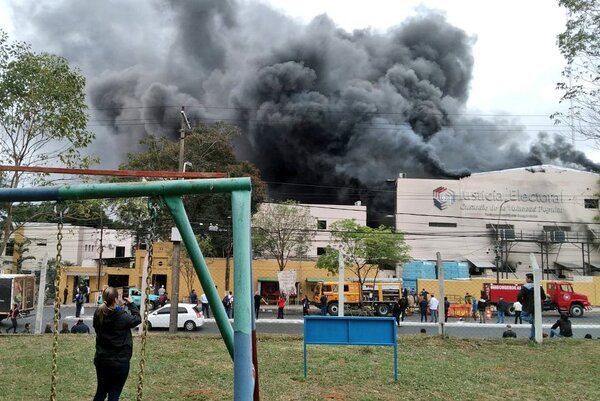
x: 194, y: 368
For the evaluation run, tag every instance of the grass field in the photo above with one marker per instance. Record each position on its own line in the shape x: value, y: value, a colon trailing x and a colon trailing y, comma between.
x: 192, y: 367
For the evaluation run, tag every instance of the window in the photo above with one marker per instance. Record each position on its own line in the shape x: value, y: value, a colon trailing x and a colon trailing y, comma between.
x: 557, y: 228
x: 10, y: 248
x: 320, y: 251
x: 591, y: 203
x: 322, y: 224
x: 120, y: 252
x: 441, y: 224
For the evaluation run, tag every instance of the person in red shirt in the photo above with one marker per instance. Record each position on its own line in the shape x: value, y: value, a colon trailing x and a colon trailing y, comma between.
x: 280, y: 306
x: 13, y: 314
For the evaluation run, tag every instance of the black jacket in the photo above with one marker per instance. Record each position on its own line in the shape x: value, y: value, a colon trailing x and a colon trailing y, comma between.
x: 526, y: 297
x: 114, y: 344
x: 565, y: 327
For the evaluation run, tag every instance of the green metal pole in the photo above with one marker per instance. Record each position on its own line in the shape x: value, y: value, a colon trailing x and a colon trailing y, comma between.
x: 243, y: 378
x: 175, y: 205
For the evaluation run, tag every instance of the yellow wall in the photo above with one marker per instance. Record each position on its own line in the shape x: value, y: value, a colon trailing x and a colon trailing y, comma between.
x: 267, y: 268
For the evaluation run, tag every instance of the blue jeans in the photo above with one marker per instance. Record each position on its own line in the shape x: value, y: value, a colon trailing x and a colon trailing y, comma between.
x: 323, y: 310
x: 529, y: 317
x: 434, y: 315
x: 500, y: 317
x: 111, y: 380
x: 554, y: 332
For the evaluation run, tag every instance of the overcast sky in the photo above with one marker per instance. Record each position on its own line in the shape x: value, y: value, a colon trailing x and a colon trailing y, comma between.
x: 517, y: 63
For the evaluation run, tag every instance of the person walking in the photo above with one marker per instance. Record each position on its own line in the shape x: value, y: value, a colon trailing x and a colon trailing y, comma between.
x: 323, y: 305
x: 433, y: 307
x: 65, y: 295
x: 193, y: 297
x: 403, y: 305
x: 257, y: 301
x: 474, y: 309
x: 205, y: 306
x: 280, y: 306
x: 305, y: 306
x: 481, y: 305
x: 446, y: 309
x: 396, y: 311
x: 527, y: 299
x: 79, y: 300
x: 502, y: 306
x: 518, y: 309
x: 114, y: 344
x: 13, y: 314
x: 423, y: 308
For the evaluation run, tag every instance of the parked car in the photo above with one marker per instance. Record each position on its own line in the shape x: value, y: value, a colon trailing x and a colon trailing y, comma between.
x: 189, y: 317
x: 136, y: 296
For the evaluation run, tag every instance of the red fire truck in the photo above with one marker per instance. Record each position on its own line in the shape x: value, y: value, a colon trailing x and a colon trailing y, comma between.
x: 560, y: 296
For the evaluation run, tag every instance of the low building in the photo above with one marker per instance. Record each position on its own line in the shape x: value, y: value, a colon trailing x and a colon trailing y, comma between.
x: 495, y: 220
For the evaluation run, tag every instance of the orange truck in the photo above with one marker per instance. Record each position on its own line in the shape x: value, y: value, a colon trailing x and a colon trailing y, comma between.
x: 379, y: 295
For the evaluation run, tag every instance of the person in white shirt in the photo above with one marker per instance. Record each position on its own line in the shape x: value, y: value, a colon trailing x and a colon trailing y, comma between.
x: 205, y: 306
x: 518, y: 309
x: 433, y: 308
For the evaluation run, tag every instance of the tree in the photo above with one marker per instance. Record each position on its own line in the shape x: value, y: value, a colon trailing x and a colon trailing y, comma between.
x: 21, y: 249
x: 187, y: 267
x: 364, y: 249
x: 580, y: 45
x: 282, y: 230
x: 42, y: 115
x: 207, y: 148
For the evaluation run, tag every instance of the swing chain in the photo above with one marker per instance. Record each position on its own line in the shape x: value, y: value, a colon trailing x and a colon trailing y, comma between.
x: 58, y: 266
x: 154, y: 208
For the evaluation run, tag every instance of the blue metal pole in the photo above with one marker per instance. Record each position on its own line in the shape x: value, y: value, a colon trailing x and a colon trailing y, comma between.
x: 243, y: 375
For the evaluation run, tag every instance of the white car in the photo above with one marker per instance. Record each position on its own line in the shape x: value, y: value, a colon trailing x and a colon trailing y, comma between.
x: 189, y: 317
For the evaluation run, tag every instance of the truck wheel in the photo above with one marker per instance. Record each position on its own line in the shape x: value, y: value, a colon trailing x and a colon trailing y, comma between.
x: 576, y: 310
x: 382, y: 309
x: 333, y: 308
x: 152, y: 305
x: 510, y: 311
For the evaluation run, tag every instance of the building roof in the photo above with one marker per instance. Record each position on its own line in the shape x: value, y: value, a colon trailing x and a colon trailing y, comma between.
x: 535, y: 169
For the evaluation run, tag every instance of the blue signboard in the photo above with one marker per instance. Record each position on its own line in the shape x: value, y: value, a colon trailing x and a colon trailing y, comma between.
x: 351, y: 330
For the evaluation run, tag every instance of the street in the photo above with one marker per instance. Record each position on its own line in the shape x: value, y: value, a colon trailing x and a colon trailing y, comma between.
x: 293, y: 323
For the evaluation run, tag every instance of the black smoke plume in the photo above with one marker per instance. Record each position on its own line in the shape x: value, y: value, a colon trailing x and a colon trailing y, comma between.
x: 334, y: 112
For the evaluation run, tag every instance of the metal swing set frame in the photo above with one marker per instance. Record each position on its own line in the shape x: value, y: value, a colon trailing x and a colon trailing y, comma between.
x: 239, y: 338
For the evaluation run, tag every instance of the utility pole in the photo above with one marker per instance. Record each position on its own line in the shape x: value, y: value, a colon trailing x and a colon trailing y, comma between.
x: 177, y: 244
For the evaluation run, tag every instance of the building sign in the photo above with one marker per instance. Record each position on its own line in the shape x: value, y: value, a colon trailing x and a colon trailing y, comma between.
x: 287, y: 282
x: 516, y: 203
x: 443, y: 197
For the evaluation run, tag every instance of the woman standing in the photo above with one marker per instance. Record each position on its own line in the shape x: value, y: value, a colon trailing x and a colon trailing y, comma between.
x: 280, y: 306
x: 114, y: 344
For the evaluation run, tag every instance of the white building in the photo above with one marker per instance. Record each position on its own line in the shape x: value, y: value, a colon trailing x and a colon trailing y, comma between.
x: 80, y: 245
x: 500, y: 217
x: 325, y: 216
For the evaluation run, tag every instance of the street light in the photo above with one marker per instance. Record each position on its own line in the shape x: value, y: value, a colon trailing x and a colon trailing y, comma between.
x: 497, y: 247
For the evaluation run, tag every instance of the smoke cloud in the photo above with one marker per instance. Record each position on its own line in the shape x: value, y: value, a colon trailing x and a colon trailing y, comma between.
x: 317, y: 105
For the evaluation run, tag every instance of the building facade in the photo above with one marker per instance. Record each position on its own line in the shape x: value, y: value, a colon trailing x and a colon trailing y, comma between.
x: 494, y: 220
